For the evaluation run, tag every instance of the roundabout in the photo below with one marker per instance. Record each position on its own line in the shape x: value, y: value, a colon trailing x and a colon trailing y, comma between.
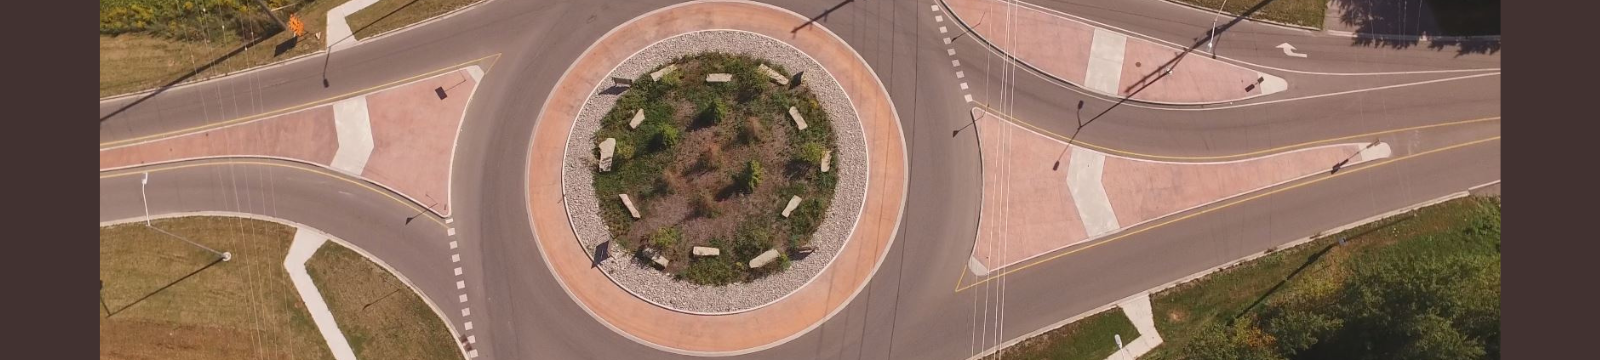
x: 620, y: 289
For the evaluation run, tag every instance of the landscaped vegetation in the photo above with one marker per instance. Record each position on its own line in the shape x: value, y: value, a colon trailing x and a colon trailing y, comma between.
x: 1091, y: 338
x: 714, y: 165
x: 1418, y: 286
x: 380, y: 316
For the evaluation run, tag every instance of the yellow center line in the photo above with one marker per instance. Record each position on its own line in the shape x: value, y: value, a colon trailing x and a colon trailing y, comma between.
x: 324, y: 101
x: 318, y: 171
x: 1049, y: 133
x: 1121, y: 236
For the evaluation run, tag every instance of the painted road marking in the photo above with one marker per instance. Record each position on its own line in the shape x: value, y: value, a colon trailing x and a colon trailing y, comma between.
x: 455, y: 258
x: 1124, y: 235
x: 942, y: 30
x: 354, y: 130
x: 963, y: 86
x: 1089, y: 192
x: 934, y: 7
x: 450, y: 232
x: 968, y: 97
x: 450, y: 220
x: 458, y: 271
x: 466, y: 311
x: 947, y: 41
x: 462, y: 297
x: 939, y: 18
x: 461, y: 284
x: 472, y: 353
x: 960, y: 74
x: 951, y: 52
x: 955, y: 63
x: 472, y: 339
x: 452, y: 245
x: 467, y: 325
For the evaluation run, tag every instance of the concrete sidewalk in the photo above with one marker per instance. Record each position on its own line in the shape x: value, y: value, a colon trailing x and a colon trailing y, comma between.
x: 1108, y: 62
x: 401, y: 138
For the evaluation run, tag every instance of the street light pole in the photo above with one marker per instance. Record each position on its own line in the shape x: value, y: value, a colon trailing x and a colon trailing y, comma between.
x: 1211, y: 42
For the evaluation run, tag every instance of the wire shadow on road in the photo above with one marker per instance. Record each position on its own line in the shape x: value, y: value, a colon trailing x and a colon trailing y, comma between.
x: 273, y: 31
x: 823, y: 16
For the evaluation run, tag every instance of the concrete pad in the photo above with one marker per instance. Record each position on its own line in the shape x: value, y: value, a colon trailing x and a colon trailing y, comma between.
x: 638, y: 118
x: 1272, y: 84
x: 1374, y: 152
x: 629, y: 203
x: 339, y: 35
x: 1027, y: 208
x: 977, y: 267
x: 1083, y: 178
x: 776, y: 77
x: 1105, y: 61
x: 355, y: 135
x: 607, y: 148
x: 656, y: 76
x: 764, y: 259
x: 1138, y: 311
x: 794, y: 202
x: 719, y: 77
x: 799, y: 122
x: 306, y: 242
x: 706, y: 251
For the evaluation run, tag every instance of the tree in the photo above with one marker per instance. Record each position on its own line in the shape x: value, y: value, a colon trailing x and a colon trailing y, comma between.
x: 1242, y: 341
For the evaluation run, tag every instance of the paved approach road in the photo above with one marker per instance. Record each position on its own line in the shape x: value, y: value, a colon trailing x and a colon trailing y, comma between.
x: 910, y: 309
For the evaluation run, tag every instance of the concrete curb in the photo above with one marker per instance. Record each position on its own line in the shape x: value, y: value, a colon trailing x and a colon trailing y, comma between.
x: 1195, y: 276
x: 1086, y: 90
x: 414, y: 290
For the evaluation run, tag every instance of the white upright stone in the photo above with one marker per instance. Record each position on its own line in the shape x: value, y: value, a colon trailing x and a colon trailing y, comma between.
x: 656, y: 76
x: 719, y: 77
x: 826, y: 157
x: 794, y: 202
x: 638, y: 117
x: 799, y: 122
x: 764, y: 259
x: 607, y: 149
x: 629, y: 203
x: 706, y: 251
x: 776, y: 77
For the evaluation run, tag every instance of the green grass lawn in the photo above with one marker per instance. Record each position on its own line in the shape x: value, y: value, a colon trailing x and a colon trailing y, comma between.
x: 1298, y: 12
x: 1316, y: 275
x: 1091, y: 338
x: 380, y: 316
x: 173, y: 301
x: 388, y: 15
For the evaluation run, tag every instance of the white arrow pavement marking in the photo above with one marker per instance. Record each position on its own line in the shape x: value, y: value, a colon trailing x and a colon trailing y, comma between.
x: 1289, y: 50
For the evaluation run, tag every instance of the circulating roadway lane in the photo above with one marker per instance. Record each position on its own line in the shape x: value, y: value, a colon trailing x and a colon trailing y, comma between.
x: 911, y: 309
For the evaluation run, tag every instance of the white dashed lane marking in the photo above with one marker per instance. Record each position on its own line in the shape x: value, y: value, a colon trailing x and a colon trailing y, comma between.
x: 943, y: 30
x: 960, y: 74
x: 939, y: 18
x: 951, y: 51
x: 466, y: 311
x: 468, y: 325
x: 963, y: 86
x: 452, y: 245
x: 461, y: 284
x: 462, y: 297
x: 451, y: 232
x: 458, y: 271
x: 455, y: 258
x: 955, y: 63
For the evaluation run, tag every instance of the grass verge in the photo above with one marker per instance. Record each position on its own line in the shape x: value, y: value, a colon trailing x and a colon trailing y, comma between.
x: 1090, y: 338
x: 1315, y: 300
x: 1297, y: 12
x: 386, y: 15
x: 379, y: 315
x: 173, y: 300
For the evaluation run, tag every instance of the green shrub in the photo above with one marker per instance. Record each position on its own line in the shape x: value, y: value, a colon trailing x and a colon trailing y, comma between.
x: 669, y: 182
x: 191, y: 20
x: 720, y: 270
x: 752, y: 131
x: 625, y: 150
x: 667, y: 135
x: 705, y: 206
x: 711, y: 159
x: 666, y: 238
x: 753, y: 238
x: 749, y: 179
x: 811, y: 153
x: 714, y: 112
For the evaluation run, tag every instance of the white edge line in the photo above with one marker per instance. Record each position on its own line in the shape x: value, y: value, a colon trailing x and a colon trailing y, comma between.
x: 414, y: 289
x: 326, y: 169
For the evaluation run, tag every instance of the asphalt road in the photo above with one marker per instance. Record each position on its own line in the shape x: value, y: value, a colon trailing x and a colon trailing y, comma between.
x: 910, y: 309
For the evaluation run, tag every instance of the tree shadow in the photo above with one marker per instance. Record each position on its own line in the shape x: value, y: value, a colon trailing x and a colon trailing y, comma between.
x: 1400, y: 24
x: 164, y: 287
x: 1312, y: 260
